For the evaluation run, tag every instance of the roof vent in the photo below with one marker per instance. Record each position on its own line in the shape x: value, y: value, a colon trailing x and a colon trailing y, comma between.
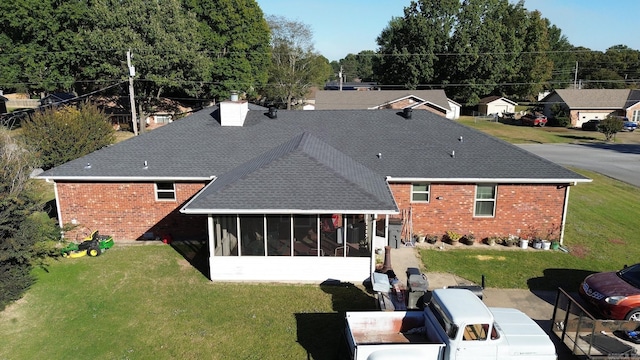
x: 273, y: 112
x: 406, y: 112
x: 460, y: 139
x: 88, y: 166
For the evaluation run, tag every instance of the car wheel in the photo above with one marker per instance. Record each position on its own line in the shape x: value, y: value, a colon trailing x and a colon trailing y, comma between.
x: 541, y: 124
x: 633, y: 315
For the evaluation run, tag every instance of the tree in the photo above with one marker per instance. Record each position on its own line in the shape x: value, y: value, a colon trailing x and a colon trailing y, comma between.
x: 27, y: 235
x: 356, y: 67
x: 40, y: 40
x: 409, y: 47
x: 610, y: 126
x: 295, y: 66
x: 62, y: 135
x: 235, y: 35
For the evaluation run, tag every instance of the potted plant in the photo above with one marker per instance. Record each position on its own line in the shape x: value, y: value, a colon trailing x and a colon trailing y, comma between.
x: 510, y: 240
x: 432, y: 239
x: 454, y: 237
x: 492, y: 240
x: 468, y: 239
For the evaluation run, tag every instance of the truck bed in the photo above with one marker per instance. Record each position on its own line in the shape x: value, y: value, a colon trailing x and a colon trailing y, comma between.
x: 389, y: 329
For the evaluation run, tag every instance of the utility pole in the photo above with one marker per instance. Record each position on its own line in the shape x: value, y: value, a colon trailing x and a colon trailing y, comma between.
x: 340, y: 77
x: 132, y: 73
x: 575, y: 78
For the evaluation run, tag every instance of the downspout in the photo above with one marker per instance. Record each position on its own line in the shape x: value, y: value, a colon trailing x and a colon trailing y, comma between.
x: 564, y: 213
x: 211, y: 243
x: 59, y: 211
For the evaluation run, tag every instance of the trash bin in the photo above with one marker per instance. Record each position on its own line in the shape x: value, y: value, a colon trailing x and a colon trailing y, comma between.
x: 395, y: 228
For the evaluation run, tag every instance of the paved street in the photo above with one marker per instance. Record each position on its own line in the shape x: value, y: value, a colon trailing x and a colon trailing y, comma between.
x: 618, y: 161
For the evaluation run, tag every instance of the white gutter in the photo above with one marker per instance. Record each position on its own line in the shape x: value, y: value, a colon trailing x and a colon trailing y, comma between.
x: 282, y: 211
x: 564, y: 214
x: 487, y: 180
x: 126, y: 178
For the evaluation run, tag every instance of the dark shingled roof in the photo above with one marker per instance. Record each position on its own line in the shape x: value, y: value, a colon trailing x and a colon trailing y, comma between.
x: 335, y: 159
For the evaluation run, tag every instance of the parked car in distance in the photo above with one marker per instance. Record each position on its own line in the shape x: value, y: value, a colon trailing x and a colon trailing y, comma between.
x: 629, y: 126
x: 533, y: 120
x: 591, y: 125
x: 614, y: 295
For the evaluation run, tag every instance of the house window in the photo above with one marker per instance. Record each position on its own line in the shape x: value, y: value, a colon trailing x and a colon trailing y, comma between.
x: 636, y: 116
x: 485, y: 204
x: 420, y: 192
x: 165, y: 191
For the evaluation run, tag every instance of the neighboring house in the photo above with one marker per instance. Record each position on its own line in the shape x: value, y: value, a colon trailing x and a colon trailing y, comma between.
x: 309, y: 195
x: 3, y: 104
x: 56, y: 99
x: 583, y: 105
x: 496, y: 105
x: 435, y: 101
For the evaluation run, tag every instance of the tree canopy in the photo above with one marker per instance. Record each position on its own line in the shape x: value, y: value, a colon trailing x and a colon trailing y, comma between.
x: 295, y: 66
x: 181, y: 48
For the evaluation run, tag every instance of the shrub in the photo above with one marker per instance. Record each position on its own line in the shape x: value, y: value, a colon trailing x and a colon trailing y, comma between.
x: 609, y: 126
x: 61, y: 135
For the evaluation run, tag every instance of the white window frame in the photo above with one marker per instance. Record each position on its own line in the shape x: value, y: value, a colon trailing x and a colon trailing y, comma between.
x: 493, y: 201
x: 428, y: 192
x: 636, y: 116
x: 165, y: 191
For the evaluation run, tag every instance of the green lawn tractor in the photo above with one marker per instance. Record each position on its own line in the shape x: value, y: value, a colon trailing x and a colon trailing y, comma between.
x: 93, y: 245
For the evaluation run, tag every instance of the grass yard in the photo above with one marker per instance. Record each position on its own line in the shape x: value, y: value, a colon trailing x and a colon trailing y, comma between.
x: 601, y: 235
x: 545, y: 135
x: 148, y: 302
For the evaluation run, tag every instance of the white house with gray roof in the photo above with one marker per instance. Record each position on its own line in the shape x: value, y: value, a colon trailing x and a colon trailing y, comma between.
x: 309, y: 195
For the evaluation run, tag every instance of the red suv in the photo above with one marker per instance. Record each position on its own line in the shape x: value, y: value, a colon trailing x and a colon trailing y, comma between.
x: 533, y: 120
x: 615, y: 295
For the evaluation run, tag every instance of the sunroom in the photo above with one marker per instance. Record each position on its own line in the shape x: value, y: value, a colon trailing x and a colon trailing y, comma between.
x: 300, y: 212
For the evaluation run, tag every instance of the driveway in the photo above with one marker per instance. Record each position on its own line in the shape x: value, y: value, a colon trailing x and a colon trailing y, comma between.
x: 618, y: 161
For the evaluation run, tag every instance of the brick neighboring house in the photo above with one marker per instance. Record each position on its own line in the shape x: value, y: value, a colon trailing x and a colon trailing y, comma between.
x: 583, y: 105
x: 435, y: 101
x: 308, y: 195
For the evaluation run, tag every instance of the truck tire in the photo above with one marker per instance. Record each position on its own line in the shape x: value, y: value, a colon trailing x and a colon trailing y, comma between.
x: 633, y: 315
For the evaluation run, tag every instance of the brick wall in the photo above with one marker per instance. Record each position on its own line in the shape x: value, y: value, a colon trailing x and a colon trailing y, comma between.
x: 128, y: 211
x: 520, y: 210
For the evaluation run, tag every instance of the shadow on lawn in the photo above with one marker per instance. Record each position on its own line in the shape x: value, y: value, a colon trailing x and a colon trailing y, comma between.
x: 196, y: 253
x: 322, y: 334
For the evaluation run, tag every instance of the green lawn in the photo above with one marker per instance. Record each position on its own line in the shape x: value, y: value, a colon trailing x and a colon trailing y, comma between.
x: 147, y: 302
x: 545, y: 135
x: 601, y: 235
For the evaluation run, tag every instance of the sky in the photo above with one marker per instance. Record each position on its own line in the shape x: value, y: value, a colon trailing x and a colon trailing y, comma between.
x: 341, y: 27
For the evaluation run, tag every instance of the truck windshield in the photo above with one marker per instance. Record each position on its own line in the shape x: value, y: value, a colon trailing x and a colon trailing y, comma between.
x: 449, y: 327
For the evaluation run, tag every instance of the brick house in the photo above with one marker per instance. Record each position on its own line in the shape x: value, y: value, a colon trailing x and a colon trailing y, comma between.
x: 435, y: 101
x: 308, y: 195
x: 583, y: 105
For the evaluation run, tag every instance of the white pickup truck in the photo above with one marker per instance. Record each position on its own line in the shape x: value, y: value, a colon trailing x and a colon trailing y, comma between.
x: 456, y: 325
